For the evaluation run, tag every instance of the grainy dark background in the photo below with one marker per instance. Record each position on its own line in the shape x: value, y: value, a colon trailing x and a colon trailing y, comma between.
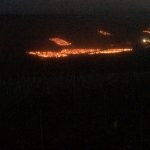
x: 84, y: 102
x: 73, y: 6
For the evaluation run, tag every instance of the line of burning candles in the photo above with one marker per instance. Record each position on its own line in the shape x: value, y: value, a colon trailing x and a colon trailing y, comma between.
x: 69, y: 52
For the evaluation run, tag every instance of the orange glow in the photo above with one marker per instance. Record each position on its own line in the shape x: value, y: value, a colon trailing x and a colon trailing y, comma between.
x: 146, y: 41
x: 69, y: 52
x: 104, y: 33
x: 147, y: 31
x: 60, y: 42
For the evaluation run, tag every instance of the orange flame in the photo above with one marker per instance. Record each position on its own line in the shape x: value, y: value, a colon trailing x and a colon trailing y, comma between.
x: 146, y: 41
x: 60, y: 41
x: 147, y: 31
x: 69, y: 52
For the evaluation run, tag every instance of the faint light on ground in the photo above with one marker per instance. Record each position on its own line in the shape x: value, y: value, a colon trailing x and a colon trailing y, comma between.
x: 146, y: 41
x: 147, y: 31
x: 104, y: 33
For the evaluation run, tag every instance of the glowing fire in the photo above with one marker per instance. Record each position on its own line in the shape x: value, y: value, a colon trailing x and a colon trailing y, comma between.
x: 104, y: 33
x: 60, y: 42
x: 147, y: 31
x: 146, y: 41
x: 69, y: 52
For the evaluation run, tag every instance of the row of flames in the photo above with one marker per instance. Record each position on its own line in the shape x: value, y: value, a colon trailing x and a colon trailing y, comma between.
x: 146, y: 40
x: 62, y: 42
x: 69, y: 52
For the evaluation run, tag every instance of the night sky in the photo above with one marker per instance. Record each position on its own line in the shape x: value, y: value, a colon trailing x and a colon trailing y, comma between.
x: 72, y: 6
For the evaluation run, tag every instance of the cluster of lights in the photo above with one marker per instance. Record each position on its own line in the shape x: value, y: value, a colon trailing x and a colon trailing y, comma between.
x: 60, y: 41
x: 104, y: 33
x: 69, y: 52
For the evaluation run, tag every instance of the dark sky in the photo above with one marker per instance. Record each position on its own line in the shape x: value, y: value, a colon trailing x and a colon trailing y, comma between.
x: 71, y: 6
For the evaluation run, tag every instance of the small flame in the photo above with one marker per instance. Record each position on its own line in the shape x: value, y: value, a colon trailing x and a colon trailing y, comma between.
x: 60, y: 41
x: 147, y: 31
x: 146, y: 41
x: 104, y: 33
x: 69, y: 52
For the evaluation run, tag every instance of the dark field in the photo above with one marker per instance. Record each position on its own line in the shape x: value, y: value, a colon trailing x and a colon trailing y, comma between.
x: 81, y: 102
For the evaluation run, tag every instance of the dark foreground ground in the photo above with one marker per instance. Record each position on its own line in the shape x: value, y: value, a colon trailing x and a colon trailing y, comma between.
x: 76, y: 105
x: 97, y: 102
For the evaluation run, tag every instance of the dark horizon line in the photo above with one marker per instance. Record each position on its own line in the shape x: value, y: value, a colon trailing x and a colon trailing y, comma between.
x: 77, y: 13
